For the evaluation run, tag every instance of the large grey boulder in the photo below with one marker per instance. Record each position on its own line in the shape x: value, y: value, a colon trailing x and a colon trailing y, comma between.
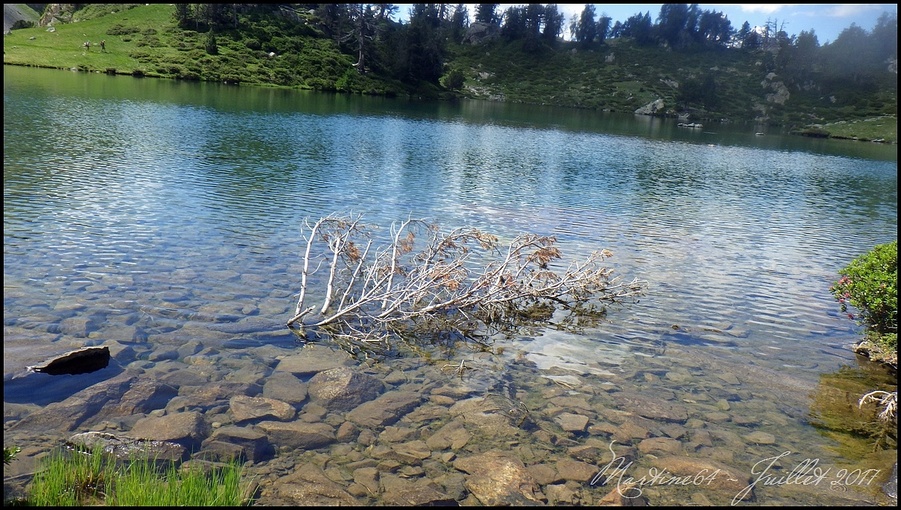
x: 652, y: 108
x: 13, y: 13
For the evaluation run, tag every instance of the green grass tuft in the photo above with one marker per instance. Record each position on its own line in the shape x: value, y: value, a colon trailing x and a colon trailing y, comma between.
x: 73, y: 478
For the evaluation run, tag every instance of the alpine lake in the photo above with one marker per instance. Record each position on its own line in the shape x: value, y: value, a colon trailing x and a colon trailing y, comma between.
x: 163, y: 219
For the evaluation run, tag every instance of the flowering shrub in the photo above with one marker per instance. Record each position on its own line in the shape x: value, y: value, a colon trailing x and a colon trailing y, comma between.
x: 870, y: 285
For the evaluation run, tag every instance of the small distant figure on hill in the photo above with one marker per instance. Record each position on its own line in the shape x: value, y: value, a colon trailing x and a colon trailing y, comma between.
x: 103, y: 45
x: 87, y: 45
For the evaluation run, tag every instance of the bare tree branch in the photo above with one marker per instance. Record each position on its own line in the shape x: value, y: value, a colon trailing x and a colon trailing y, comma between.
x: 431, y: 283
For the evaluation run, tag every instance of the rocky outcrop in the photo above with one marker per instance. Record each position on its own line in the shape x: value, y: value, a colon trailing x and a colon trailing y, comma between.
x: 652, y: 108
x: 57, y: 13
x: 480, y: 32
x: 779, y: 94
x: 16, y: 14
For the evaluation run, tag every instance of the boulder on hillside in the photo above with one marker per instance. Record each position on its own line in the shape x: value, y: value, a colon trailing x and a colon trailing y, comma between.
x: 480, y: 32
x: 652, y: 108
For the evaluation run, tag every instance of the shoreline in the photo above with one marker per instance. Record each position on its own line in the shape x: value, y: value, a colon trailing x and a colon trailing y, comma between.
x: 812, y: 131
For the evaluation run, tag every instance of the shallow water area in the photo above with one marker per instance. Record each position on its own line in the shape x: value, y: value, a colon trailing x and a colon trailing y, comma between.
x: 162, y: 219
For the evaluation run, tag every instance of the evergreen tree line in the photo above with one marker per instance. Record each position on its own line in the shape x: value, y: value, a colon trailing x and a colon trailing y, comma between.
x: 417, y: 49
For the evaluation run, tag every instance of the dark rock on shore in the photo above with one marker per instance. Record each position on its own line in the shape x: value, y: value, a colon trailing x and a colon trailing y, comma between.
x: 81, y: 361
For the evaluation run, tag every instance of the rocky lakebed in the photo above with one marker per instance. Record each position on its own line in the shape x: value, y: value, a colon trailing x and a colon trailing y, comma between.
x: 316, y: 426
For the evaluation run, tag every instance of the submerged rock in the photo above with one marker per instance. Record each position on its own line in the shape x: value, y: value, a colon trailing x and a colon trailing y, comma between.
x: 298, y: 435
x: 237, y: 442
x: 498, y: 478
x: 343, y: 389
x: 720, y: 477
x: 188, y: 429
x: 308, y: 485
x: 384, y: 410
x: 126, y: 447
x: 312, y: 359
x: 246, y: 408
x: 80, y: 409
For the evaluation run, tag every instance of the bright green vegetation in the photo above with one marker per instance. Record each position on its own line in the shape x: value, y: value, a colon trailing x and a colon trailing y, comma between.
x: 609, y: 77
x: 146, y: 41
x: 9, y: 453
x: 870, y: 284
x: 844, y: 89
x: 883, y: 128
x: 63, y: 47
x: 91, y: 478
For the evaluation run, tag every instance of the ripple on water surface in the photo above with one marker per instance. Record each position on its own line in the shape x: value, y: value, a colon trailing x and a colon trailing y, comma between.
x: 173, y: 229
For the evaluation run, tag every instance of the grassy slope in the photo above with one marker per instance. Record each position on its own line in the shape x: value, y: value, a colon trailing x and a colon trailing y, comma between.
x: 616, y: 77
x: 62, y: 48
x: 145, y: 40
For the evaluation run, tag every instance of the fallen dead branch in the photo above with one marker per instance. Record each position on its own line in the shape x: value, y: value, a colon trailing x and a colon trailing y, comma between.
x: 887, y: 401
x: 425, y: 282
